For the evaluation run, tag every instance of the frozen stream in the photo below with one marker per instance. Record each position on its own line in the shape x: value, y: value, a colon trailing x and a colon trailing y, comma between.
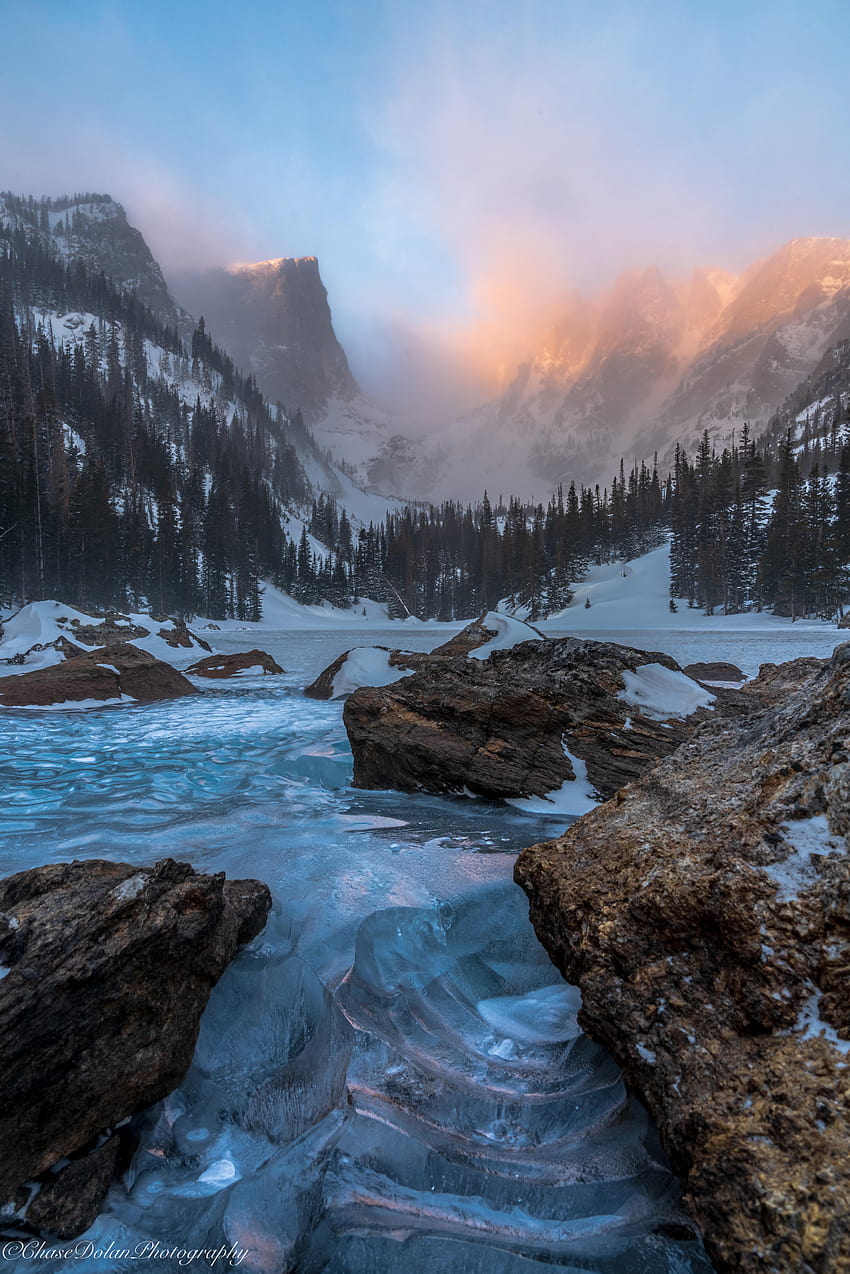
x: 391, y: 1078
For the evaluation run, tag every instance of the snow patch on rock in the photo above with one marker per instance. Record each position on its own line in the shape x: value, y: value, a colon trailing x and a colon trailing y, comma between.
x: 661, y: 693
x: 366, y: 666
x: 574, y: 797
x: 509, y: 633
x: 807, y: 837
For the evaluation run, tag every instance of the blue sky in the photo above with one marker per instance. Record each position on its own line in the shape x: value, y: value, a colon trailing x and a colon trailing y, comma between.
x: 455, y: 167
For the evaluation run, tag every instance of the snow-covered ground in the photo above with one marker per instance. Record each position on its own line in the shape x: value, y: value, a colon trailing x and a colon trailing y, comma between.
x: 636, y: 594
x: 31, y: 635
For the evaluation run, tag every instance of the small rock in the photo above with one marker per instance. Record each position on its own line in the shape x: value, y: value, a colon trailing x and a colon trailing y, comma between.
x: 230, y: 665
x: 714, y: 672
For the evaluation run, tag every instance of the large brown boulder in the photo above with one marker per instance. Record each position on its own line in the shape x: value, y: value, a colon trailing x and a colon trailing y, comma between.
x: 705, y: 914
x: 241, y: 661
x: 524, y: 721
x: 102, y: 675
x: 107, y: 968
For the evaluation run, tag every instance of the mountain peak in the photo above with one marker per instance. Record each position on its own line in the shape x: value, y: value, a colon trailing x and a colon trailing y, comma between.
x: 93, y: 229
x: 273, y: 318
x: 283, y: 265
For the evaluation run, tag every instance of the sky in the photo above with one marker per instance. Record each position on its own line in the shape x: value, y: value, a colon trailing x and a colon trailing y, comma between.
x: 458, y: 168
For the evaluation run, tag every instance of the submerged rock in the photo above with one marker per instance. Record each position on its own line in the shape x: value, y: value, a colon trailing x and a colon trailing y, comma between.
x: 104, y: 675
x: 705, y: 915
x: 232, y: 665
x: 106, y: 969
x: 525, y: 720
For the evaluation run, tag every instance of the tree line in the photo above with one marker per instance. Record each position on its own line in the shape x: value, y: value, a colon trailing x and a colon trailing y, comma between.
x: 140, y: 469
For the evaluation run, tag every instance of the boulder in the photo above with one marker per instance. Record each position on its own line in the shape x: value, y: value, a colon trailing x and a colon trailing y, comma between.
x: 107, y: 968
x: 722, y: 673
x: 103, y: 675
x: 525, y: 721
x: 180, y: 637
x: 365, y: 665
x: 242, y: 661
x: 379, y: 666
x: 704, y: 913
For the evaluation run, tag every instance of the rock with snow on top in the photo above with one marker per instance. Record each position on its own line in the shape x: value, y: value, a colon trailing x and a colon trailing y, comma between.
x: 114, y: 674
x: 380, y: 666
x: 527, y: 721
x: 239, y: 663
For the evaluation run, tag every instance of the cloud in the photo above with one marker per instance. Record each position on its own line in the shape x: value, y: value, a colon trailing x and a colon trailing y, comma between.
x: 547, y: 154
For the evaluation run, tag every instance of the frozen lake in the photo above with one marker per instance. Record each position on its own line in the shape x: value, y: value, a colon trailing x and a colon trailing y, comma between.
x: 391, y: 1077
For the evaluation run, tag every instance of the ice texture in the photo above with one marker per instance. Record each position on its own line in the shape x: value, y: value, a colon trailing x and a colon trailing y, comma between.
x: 391, y: 1077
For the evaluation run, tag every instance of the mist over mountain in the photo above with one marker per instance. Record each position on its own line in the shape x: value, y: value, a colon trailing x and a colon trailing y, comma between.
x: 274, y: 320
x: 652, y: 363
x: 628, y: 372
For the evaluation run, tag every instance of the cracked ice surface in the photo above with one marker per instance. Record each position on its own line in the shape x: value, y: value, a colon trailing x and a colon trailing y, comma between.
x: 391, y: 1077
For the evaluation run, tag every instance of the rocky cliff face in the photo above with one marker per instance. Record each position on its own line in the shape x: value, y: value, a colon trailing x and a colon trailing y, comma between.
x: 274, y: 320
x: 705, y: 914
x: 105, y: 970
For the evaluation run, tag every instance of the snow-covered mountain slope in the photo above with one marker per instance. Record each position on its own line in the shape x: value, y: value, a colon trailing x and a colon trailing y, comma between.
x: 93, y: 229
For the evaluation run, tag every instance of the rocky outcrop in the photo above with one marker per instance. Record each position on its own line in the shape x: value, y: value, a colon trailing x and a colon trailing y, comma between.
x: 705, y: 914
x: 104, y: 675
x: 33, y: 633
x: 107, y: 968
x: 524, y: 721
x: 475, y: 635
x: 241, y: 661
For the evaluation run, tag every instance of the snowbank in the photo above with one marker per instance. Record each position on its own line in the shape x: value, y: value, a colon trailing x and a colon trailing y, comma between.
x: 366, y: 666
x: 636, y: 595
x: 660, y: 693
x: 509, y: 633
